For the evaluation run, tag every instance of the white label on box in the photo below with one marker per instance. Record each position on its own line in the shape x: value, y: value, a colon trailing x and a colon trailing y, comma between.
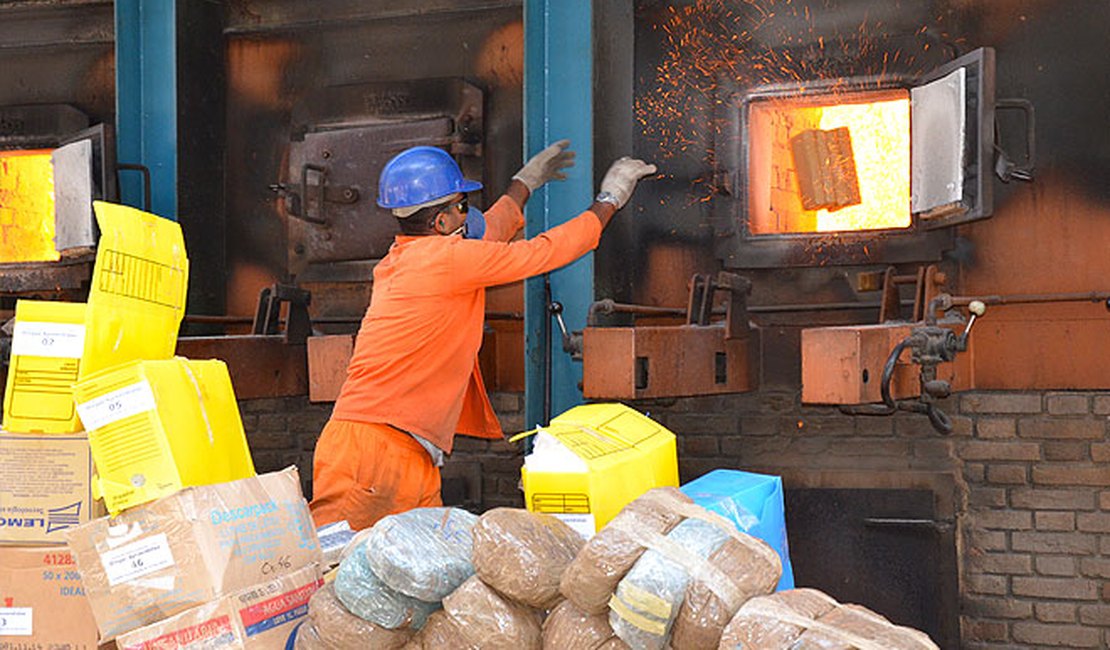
x: 64, y: 340
x: 137, y: 559
x: 116, y: 405
x: 16, y: 621
x: 584, y: 524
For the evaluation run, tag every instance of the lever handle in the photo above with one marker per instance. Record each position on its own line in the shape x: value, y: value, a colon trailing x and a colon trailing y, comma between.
x: 556, y: 309
x: 977, y: 308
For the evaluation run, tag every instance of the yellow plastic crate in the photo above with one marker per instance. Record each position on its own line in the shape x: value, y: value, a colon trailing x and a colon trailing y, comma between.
x: 137, y: 297
x: 625, y: 452
x: 156, y: 427
x: 47, y: 345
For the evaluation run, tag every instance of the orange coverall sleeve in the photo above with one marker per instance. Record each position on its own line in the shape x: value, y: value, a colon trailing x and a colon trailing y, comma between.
x: 503, y: 220
x: 482, y: 263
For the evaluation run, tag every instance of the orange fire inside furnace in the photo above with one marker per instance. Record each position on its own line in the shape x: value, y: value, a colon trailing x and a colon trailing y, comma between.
x: 27, y: 207
x: 829, y: 163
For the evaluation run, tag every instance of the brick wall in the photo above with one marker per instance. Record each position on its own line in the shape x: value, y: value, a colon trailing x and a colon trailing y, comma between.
x: 1033, y: 502
x: 1032, y: 472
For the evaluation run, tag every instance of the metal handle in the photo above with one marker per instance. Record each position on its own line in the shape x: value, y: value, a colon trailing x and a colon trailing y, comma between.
x: 145, y: 171
x: 306, y: 213
x: 1006, y: 168
x: 908, y: 524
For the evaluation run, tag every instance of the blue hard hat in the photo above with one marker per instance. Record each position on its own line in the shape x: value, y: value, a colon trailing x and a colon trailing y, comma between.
x: 419, y: 175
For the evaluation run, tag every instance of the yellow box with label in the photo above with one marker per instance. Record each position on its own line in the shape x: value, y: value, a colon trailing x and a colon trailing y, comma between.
x: 47, y: 344
x: 158, y: 426
x: 615, y: 454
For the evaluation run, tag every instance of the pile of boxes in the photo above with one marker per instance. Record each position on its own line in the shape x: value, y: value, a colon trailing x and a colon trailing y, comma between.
x: 100, y: 416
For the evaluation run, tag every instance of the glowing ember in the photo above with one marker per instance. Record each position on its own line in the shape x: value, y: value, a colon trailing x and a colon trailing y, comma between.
x: 26, y: 207
x: 881, y: 142
x: 754, y: 43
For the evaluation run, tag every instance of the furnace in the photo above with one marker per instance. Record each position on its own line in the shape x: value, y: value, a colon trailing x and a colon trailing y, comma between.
x: 855, y: 169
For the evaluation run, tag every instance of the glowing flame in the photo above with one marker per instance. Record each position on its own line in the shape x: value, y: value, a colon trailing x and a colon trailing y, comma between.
x: 881, y: 143
x: 880, y: 137
x: 26, y: 207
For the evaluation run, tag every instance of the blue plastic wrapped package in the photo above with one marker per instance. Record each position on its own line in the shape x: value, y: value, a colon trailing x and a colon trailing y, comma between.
x: 424, y: 553
x: 751, y: 501
x: 367, y: 597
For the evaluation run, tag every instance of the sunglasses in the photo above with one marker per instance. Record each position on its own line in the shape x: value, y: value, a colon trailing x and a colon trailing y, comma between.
x: 462, y: 206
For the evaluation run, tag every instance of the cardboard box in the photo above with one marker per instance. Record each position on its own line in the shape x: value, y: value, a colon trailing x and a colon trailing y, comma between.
x: 260, y: 617
x: 139, y: 284
x: 47, y: 345
x: 156, y: 427
x: 165, y: 557
x: 44, y: 487
x: 615, y: 454
x: 42, y: 602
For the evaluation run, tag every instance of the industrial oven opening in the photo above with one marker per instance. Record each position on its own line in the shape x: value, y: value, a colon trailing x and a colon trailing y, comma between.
x: 829, y: 163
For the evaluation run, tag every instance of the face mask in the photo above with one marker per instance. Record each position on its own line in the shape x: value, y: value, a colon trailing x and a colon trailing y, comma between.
x: 475, y: 226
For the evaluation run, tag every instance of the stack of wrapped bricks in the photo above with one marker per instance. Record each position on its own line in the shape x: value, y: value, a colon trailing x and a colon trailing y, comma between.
x: 664, y: 573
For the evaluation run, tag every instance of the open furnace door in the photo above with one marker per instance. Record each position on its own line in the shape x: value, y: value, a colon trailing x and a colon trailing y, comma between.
x: 84, y: 171
x: 952, y: 142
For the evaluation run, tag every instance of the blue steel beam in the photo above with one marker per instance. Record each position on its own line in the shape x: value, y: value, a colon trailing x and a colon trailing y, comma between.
x: 558, y: 103
x: 146, y: 100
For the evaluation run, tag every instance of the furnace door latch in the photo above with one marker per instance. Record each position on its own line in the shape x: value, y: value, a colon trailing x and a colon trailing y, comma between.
x: 308, y: 201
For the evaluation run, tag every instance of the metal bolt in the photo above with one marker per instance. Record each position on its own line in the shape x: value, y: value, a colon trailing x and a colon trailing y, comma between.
x: 326, y: 154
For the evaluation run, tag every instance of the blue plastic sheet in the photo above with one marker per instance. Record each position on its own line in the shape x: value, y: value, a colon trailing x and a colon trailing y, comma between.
x: 751, y: 501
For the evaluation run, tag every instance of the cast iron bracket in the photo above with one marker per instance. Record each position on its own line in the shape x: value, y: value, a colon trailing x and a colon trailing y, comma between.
x: 736, y: 291
x: 267, y: 319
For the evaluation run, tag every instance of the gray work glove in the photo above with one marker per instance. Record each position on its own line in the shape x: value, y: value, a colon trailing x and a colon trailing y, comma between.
x: 546, y: 166
x: 622, y: 177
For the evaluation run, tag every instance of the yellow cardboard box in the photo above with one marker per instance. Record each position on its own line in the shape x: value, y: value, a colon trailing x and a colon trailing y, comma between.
x: 137, y: 297
x: 47, y: 344
x: 260, y: 617
x: 616, y: 454
x: 44, y: 487
x: 156, y: 427
x: 165, y: 557
x: 42, y: 601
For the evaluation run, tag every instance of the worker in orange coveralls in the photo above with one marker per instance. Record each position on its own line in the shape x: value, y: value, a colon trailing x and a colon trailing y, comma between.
x: 413, y: 380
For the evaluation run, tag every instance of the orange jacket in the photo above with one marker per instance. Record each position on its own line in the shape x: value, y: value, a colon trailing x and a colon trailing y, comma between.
x: 415, y: 362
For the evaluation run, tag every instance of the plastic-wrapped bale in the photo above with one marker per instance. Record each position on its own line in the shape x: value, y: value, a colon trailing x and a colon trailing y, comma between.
x: 592, y: 577
x: 811, y: 619
x: 423, y: 553
x: 648, y: 598
x: 523, y: 555
x: 440, y: 632
x: 569, y: 627
x: 774, y: 621
x: 330, y: 626
x: 367, y: 597
x: 848, y: 627
x: 754, y: 569
x: 490, y: 621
